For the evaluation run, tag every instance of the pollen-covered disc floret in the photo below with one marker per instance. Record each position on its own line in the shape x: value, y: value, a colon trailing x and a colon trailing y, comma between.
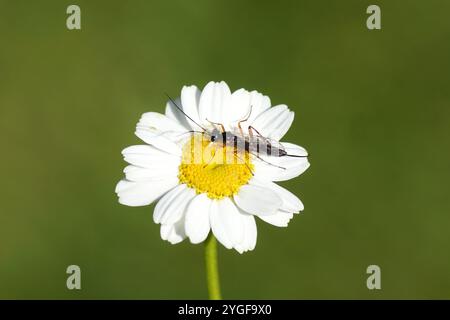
x: 215, y: 169
x: 201, y: 184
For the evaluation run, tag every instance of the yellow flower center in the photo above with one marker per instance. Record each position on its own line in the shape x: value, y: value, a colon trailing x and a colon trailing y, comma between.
x: 213, y: 168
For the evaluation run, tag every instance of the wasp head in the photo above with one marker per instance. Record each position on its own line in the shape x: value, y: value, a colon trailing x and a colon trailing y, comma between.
x: 215, y: 135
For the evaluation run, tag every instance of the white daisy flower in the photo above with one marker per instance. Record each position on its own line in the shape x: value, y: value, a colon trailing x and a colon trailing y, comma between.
x: 199, y: 197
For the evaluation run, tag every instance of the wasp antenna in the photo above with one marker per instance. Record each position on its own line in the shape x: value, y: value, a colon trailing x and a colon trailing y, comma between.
x: 295, y: 156
x: 181, y: 110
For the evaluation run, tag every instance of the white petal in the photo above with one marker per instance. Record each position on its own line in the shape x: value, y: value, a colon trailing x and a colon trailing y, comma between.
x: 157, y: 173
x: 294, y: 149
x: 158, y: 123
x: 197, y: 223
x: 280, y: 129
x: 291, y: 167
x: 143, y: 193
x: 160, y: 141
x: 164, y: 203
x: 213, y: 101
x: 258, y: 104
x: 190, y: 99
x: 123, y: 185
x: 143, y: 149
x: 290, y: 201
x: 173, y: 113
x: 279, y: 219
x: 238, y: 108
x: 150, y: 157
x: 174, y: 233
x: 257, y: 200
x: 226, y: 222
x: 173, y: 205
x: 274, y: 122
x: 250, y: 234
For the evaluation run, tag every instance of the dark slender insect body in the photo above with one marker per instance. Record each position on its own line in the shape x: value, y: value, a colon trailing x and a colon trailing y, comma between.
x: 250, y: 143
x: 253, y: 143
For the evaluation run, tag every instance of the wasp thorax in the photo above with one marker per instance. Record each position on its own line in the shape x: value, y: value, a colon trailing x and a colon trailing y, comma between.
x: 215, y: 135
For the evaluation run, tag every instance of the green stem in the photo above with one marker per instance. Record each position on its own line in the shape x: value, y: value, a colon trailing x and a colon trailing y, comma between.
x: 212, y: 270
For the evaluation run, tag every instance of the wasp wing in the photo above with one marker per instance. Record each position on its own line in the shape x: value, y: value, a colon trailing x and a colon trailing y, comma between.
x: 257, y: 144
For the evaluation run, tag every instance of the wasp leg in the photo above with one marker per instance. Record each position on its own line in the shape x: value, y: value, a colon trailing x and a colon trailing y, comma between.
x: 246, y: 118
x: 250, y: 129
x: 256, y: 155
x: 248, y: 167
x: 219, y: 124
x: 211, y: 159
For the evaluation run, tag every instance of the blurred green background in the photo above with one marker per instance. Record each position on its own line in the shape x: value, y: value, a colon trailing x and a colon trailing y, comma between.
x: 372, y: 108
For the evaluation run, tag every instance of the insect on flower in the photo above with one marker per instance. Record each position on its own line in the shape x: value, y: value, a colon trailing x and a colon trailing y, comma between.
x: 253, y: 143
